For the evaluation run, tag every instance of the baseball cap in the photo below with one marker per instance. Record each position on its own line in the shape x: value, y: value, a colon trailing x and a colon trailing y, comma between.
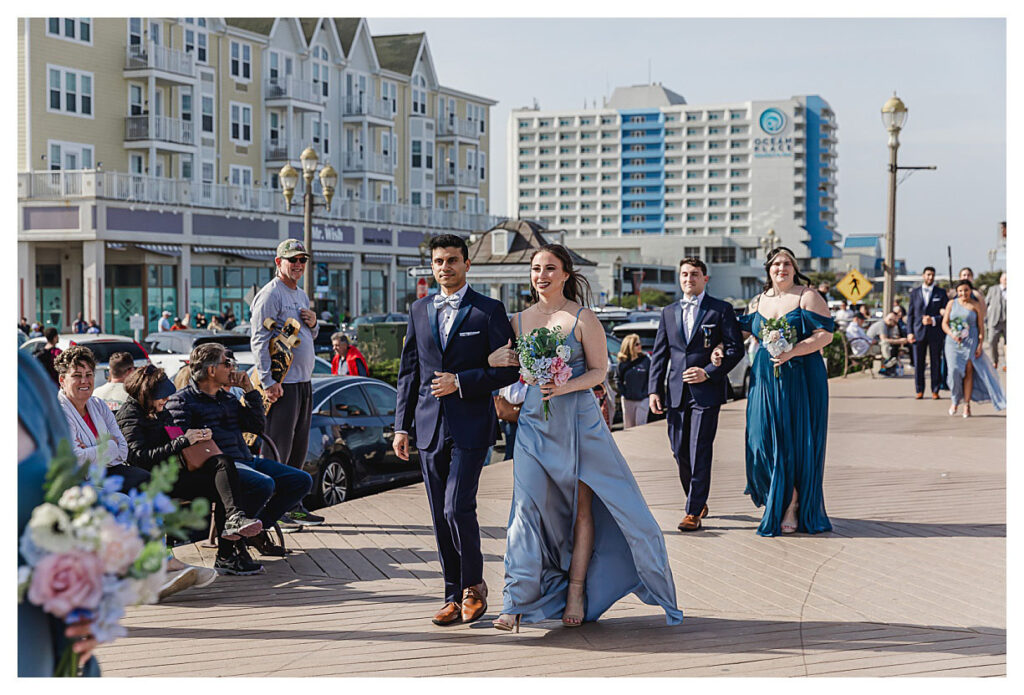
x: 290, y: 248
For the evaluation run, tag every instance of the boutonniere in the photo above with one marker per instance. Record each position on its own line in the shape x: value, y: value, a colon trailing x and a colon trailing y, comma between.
x: 706, y: 329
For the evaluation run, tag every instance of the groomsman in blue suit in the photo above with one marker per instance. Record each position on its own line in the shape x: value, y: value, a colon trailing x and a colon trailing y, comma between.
x: 445, y: 405
x: 689, y: 330
x: 924, y: 324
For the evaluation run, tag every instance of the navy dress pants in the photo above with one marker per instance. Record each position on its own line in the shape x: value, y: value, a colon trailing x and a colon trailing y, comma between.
x: 691, y: 431
x: 932, y: 347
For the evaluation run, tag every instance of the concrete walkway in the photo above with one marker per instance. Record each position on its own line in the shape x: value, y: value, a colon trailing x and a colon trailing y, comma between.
x: 911, y: 581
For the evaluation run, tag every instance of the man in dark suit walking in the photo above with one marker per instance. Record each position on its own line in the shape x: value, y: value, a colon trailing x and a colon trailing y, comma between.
x: 688, y: 332
x: 924, y: 323
x: 445, y: 405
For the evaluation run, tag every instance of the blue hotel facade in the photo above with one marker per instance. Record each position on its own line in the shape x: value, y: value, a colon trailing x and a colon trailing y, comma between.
x: 649, y: 178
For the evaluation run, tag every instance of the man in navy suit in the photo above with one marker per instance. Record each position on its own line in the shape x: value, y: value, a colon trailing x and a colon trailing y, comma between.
x: 445, y: 404
x: 924, y: 324
x: 688, y: 332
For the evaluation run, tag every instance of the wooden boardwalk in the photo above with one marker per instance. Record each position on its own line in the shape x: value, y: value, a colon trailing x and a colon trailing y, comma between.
x: 911, y: 581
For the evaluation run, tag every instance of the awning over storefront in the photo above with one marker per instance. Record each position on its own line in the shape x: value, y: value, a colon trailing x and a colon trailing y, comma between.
x: 376, y: 258
x: 407, y: 261
x: 250, y: 254
x: 164, y: 249
x: 332, y: 256
x: 117, y: 246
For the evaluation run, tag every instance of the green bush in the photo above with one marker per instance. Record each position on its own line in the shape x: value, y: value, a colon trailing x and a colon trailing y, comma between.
x: 648, y: 297
x: 385, y: 370
x: 835, y: 355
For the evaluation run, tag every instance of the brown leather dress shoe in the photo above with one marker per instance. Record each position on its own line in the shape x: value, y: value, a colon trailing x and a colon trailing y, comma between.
x: 704, y: 512
x: 449, y: 615
x: 919, y: 395
x: 935, y: 396
x: 690, y: 522
x: 474, y: 602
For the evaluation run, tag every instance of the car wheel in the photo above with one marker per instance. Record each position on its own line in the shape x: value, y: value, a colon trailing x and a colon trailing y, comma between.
x: 335, y: 483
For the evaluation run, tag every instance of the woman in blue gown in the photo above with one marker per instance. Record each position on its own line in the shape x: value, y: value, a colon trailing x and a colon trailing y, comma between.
x: 971, y: 375
x: 787, y: 415
x: 580, y: 535
x: 42, y: 638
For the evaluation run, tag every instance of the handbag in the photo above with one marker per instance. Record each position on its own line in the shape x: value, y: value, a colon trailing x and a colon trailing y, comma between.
x: 505, y: 410
x: 194, y: 455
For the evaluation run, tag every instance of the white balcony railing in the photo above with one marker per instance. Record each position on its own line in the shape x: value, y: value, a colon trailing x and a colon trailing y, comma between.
x: 468, y: 178
x: 279, y: 150
x: 292, y: 88
x: 368, y: 162
x: 154, y: 57
x: 160, y: 128
x: 364, y: 105
x: 458, y: 126
x: 135, y: 188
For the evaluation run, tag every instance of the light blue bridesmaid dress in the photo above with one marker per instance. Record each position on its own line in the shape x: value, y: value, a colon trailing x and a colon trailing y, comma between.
x: 551, y: 458
x: 986, y: 381
x: 787, y: 425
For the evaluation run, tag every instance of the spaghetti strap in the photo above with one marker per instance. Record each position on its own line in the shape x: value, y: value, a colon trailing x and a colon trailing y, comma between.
x: 573, y: 331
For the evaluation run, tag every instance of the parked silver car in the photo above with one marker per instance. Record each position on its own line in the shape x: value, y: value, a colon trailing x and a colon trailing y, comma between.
x: 103, y: 345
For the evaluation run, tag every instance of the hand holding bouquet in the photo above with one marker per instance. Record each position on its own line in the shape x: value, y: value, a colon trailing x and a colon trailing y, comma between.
x: 959, y: 328
x: 777, y: 336
x: 543, y: 358
x: 91, y: 550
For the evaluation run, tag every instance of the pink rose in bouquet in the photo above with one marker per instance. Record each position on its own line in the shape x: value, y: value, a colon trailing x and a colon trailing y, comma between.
x: 62, y: 582
x: 560, y: 371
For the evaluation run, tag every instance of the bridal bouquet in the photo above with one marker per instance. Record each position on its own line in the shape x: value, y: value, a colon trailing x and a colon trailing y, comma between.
x: 543, y: 355
x: 91, y: 550
x: 959, y: 328
x: 777, y: 336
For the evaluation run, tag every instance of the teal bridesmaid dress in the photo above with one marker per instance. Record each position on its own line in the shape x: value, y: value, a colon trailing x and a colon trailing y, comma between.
x: 41, y: 640
x: 787, y: 423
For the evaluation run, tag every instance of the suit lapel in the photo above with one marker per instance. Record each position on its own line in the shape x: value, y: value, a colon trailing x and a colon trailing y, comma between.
x: 432, y: 318
x: 677, y: 311
x: 701, y: 310
x: 460, y: 316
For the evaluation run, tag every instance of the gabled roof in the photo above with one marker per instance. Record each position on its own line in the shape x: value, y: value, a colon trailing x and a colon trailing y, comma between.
x: 347, y: 28
x: 308, y: 28
x: 257, y: 25
x: 528, y: 237
x: 398, y: 52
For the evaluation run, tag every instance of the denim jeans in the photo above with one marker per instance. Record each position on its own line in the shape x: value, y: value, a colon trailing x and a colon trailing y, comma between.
x: 269, y: 489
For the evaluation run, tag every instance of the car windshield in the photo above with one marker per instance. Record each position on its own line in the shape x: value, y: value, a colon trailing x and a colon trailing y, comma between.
x: 103, y: 349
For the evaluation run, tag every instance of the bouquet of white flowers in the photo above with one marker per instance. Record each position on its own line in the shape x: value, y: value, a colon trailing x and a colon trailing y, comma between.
x: 960, y: 328
x: 543, y: 356
x: 777, y: 336
x: 91, y: 550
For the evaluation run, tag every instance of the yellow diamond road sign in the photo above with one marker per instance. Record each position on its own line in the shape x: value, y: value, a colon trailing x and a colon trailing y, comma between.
x: 854, y: 286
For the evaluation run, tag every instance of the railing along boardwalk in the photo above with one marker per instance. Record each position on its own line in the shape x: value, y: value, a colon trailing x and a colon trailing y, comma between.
x: 911, y: 581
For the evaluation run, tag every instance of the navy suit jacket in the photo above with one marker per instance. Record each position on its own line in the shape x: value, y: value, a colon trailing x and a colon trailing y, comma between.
x: 481, y: 326
x: 917, y: 310
x: 715, y: 323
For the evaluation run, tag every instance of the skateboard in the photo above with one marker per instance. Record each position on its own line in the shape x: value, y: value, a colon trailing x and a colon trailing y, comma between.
x: 285, y: 340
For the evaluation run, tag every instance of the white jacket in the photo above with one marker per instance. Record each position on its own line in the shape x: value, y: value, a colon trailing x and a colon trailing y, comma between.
x: 83, y: 443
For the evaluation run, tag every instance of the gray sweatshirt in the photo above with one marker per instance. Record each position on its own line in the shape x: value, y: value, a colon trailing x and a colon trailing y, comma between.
x: 277, y: 301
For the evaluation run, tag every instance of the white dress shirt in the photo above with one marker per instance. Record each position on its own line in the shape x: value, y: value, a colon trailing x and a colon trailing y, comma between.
x: 446, y: 316
x: 690, y: 314
x: 926, y: 292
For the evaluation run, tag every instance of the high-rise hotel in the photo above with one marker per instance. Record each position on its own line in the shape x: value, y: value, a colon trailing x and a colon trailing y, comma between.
x: 149, y: 149
x: 648, y: 179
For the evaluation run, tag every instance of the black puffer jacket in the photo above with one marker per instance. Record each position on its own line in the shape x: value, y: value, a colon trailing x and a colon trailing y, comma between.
x: 148, y: 441
x: 224, y: 414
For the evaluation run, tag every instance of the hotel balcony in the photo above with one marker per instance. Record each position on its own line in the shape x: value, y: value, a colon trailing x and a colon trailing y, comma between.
x: 356, y: 164
x: 463, y: 178
x: 359, y: 107
x: 139, y: 131
x: 283, y: 150
x: 147, y: 190
x: 167, y: 64
x: 300, y: 94
x: 453, y: 127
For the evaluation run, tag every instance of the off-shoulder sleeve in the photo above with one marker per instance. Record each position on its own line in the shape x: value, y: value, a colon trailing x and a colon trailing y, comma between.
x: 746, y: 322
x: 815, y: 321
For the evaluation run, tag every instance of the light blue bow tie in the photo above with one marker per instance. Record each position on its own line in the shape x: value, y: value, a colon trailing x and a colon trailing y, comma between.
x: 451, y: 300
x: 688, y: 301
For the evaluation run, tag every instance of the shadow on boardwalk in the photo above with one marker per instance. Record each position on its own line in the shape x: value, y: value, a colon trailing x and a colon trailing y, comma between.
x: 877, y: 528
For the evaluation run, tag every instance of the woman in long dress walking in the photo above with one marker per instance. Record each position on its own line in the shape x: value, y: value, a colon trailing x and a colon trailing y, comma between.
x: 580, y: 535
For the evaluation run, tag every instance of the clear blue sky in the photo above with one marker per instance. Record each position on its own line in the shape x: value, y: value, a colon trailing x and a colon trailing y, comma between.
x: 951, y: 73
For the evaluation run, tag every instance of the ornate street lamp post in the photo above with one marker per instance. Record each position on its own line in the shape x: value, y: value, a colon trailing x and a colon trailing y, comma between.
x: 289, y: 177
x: 894, y: 115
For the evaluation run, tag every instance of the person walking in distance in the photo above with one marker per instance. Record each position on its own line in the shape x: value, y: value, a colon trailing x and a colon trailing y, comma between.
x: 695, y: 389
x: 996, y: 318
x: 924, y: 318
x: 289, y: 416
x: 444, y: 397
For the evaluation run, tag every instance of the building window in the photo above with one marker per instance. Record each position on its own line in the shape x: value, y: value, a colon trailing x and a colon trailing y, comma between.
x: 241, y: 123
x: 70, y: 91
x: 241, y: 61
x: 78, y: 30
x: 70, y: 156
x: 419, y: 95
x: 724, y: 254
x: 186, y: 104
x: 417, y: 154
x: 207, y: 115
x: 195, y: 43
x: 321, y: 71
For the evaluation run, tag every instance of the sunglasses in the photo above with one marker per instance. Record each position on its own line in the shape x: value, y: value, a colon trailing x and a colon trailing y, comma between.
x: 298, y: 260
x: 230, y: 363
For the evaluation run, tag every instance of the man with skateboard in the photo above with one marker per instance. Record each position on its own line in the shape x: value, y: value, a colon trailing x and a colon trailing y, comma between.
x: 276, y: 309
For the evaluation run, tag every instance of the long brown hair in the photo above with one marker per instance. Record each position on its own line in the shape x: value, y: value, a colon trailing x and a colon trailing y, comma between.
x: 576, y: 288
x: 140, y: 384
x: 797, y: 275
